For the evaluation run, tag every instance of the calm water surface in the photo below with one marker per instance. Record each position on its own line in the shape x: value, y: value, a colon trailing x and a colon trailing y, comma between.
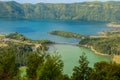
x: 70, y: 56
x: 38, y: 29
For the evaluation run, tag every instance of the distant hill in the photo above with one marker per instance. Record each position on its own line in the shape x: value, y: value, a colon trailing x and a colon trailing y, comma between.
x: 88, y: 11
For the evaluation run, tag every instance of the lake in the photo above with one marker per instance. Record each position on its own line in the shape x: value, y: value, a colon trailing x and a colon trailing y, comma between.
x: 38, y: 29
x: 70, y: 56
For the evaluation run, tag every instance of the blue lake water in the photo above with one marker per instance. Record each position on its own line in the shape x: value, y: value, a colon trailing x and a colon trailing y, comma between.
x: 38, y: 29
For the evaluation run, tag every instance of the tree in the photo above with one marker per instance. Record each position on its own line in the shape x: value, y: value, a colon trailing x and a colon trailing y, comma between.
x: 8, y: 67
x: 51, y: 69
x: 34, y: 61
x: 105, y: 71
x: 82, y: 71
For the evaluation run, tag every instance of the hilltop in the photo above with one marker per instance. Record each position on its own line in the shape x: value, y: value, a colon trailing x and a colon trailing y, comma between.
x: 87, y: 11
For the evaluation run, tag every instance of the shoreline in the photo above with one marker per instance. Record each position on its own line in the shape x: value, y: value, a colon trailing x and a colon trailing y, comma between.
x: 86, y: 46
x: 114, y: 58
x: 89, y: 47
x: 113, y: 25
x: 95, y: 51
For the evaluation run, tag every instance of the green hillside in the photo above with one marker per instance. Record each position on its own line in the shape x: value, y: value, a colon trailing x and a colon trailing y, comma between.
x: 109, y: 44
x: 88, y: 11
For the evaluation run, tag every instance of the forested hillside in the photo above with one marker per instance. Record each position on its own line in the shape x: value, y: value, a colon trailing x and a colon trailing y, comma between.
x: 88, y: 11
x: 109, y: 44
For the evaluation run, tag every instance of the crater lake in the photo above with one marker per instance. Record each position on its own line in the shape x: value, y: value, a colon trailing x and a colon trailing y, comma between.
x: 38, y: 29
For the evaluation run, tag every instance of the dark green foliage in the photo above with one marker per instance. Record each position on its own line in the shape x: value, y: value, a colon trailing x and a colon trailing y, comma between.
x: 105, y: 71
x: 42, y: 41
x: 67, y: 34
x: 22, y: 52
x: 65, y: 77
x: 8, y: 67
x: 88, y: 11
x: 82, y: 72
x: 51, y: 69
x: 42, y: 66
x: 34, y: 61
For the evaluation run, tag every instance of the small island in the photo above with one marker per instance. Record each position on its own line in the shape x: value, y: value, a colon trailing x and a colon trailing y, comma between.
x: 114, y: 24
x: 68, y: 34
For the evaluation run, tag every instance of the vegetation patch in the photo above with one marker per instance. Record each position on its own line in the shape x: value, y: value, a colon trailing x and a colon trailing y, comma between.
x: 67, y: 34
x: 109, y: 45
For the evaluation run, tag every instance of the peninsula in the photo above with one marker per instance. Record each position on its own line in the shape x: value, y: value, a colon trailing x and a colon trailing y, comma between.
x: 107, y: 44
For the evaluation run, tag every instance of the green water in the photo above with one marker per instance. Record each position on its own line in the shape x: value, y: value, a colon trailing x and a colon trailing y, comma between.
x: 70, y: 56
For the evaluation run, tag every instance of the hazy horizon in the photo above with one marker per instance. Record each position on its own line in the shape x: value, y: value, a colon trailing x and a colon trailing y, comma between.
x: 56, y: 1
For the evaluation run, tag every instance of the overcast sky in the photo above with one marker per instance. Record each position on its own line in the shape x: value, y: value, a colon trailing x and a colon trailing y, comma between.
x: 54, y: 1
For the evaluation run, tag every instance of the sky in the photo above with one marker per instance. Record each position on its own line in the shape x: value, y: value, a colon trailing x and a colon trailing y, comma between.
x: 54, y: 1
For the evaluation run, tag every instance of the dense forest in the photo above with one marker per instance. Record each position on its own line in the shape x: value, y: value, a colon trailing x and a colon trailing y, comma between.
x: 88, y: 11
x: 42, y: 66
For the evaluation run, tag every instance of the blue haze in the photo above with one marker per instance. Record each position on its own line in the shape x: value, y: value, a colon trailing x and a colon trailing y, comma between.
x: 55, y: 1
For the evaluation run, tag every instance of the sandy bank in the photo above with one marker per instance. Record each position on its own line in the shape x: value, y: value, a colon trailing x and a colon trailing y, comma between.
x: 95, y: 51
x: 113, y: 25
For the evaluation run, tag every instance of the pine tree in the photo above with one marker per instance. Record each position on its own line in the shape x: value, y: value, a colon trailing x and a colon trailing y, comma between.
x: 34, y: 61
x: 51, y: 69
x: 82, y: 71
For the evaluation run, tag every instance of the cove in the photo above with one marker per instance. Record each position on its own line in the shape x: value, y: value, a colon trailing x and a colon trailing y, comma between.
x: 70, y: 56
